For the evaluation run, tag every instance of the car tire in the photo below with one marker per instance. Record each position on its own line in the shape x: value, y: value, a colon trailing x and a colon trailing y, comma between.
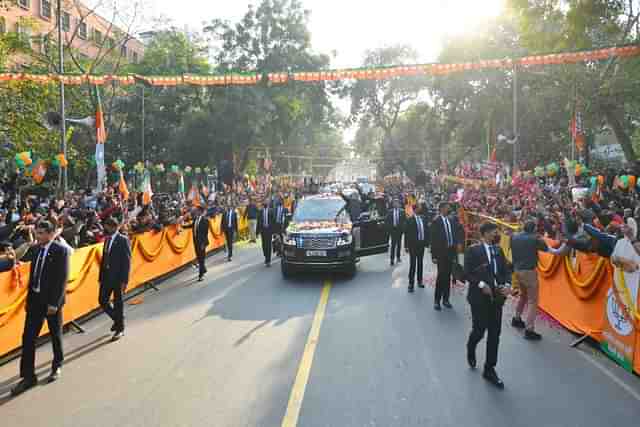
x: 351, y: 271
x: 286, y: 269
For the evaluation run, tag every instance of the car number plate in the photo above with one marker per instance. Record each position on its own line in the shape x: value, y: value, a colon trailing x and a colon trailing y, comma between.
x: 316, y: 253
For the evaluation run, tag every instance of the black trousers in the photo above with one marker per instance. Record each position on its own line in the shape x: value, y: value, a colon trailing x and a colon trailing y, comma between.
x: 396, y: 243
x: 265, y: 237
x: 228, y: 234
x: 443, y: 280
x: 115, y: 311
x: 201, y: 255
x: 486, y: 316
x: 36, y: 315
x: 416, y: 263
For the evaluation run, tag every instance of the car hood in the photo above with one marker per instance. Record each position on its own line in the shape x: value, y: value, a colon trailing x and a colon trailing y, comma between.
x: 315, y: 227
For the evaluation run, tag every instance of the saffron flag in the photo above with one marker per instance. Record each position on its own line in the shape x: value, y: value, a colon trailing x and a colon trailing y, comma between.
x: 577, y: 130
x: 122, y: 187
x: 39, y: 172
x: 194, y: 196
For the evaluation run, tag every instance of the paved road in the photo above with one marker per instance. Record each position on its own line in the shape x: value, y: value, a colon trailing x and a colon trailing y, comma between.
x: 228, y: 352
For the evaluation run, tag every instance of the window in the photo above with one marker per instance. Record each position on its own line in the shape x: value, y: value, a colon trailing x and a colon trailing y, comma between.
x: 45, y: 9
x: 123, y: 50
x: 97, y: 37
x: 24, y: 4
x: 134, y: 57
x: 66, y: 21
x: 82, y: 30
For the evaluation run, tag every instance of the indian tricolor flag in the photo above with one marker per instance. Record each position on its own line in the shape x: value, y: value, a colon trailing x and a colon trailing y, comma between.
x: 101, y: 132
x: 147, y: 192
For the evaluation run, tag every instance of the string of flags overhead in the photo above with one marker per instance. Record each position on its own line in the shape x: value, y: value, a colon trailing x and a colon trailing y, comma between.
x: 380, y: 73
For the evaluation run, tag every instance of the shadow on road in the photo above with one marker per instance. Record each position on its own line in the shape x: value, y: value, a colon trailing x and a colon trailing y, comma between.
x: 42, y: 368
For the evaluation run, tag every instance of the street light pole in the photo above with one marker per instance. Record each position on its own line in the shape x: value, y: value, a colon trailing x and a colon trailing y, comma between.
x: 63, y: 128
x: 142, y: 131
x: 515, y: 118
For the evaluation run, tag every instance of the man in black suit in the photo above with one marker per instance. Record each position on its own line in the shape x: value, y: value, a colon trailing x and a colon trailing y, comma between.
x: 485, y: 269
x: 230, y: 228
x: 416, y: 240
x: 443, y: 254
x: 200, y: 227
x: 114, y: 275
x: 265, y: 230
x: 280, y: 223
x: 395, y: 222
x: 45, y: 299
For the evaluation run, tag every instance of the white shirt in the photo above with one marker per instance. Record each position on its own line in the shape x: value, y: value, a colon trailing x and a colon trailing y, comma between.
x: 42, y: 256
x: 492, y: 262
x: 447, y: 228
x: 420, y: 228
x: 111, y: 239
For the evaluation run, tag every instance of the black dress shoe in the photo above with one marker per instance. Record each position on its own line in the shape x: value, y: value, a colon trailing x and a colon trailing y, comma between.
x: 517, y: 322
x: 532, y: 335
x: 391, y: 263
x: 55, y: 375
x: 471, y: 359
x: 491, y: 376
x: 200, y: 279
x: 113, y: 327
x: 410, y: 289
x: 117, y: 336
x: 23, y: 386
x: 437, y: 307
x: 421, y: 285
x: 447, y: 304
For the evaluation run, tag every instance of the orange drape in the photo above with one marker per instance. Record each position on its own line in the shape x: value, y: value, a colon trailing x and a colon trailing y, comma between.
x: 154, y: 254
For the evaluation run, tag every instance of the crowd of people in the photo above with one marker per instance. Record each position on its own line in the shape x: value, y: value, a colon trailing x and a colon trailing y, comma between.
x: 597, y: 214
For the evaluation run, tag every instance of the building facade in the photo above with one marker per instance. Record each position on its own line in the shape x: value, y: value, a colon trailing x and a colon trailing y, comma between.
x: 83, y: 30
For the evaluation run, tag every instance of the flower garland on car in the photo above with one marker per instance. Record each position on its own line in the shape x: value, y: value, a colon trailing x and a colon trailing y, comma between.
x: 315, y: 225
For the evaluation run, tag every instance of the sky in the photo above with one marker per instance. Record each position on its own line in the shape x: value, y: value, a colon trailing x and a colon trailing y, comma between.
x: 349, y: 27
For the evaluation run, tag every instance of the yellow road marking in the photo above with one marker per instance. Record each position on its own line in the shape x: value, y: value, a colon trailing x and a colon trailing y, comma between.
x: 304, y: 370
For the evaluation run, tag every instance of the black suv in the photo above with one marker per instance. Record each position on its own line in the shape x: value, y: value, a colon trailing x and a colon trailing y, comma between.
x: 322, y: 237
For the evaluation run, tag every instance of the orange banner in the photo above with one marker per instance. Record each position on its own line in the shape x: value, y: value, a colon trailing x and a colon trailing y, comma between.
x: 382, y: 73
x: 581, y: 297
x: 154, y: 255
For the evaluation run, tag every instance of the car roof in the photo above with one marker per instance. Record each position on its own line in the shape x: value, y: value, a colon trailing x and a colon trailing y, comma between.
x: 323, y: 197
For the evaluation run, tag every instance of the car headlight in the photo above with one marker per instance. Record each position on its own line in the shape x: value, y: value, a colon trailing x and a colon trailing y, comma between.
x: 289, y: 239
x: 345, y: 240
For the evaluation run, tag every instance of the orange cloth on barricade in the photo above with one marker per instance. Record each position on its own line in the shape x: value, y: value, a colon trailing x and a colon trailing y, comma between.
x: 154, y: 255
x: 577, y: 296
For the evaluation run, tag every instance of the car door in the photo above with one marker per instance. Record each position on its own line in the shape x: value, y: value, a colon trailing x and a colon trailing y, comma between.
x: 373, y: 234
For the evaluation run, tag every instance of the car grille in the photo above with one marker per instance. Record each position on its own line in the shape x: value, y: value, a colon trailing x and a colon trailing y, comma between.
x: 316, y: 242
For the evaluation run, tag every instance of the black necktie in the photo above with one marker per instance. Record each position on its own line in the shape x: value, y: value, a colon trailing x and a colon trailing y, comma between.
x: 494, y: 268
x: 38, y: 270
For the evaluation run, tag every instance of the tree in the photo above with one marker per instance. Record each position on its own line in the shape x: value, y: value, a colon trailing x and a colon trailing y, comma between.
x: 609, y: 89
x: 379, y: 103
x: 269, y: 38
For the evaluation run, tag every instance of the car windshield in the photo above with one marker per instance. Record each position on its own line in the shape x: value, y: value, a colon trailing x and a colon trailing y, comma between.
x: 320, y: 210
